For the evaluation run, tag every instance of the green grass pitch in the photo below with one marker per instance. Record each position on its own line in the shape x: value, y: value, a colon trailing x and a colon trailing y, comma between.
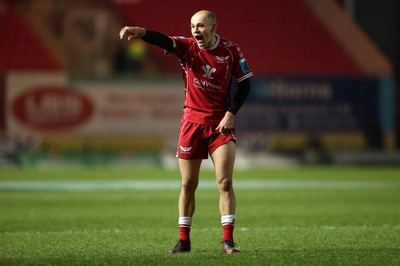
x: 108, y: 216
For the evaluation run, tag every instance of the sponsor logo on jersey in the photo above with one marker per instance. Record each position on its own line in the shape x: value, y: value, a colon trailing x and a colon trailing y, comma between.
x: 206, y: 85
x: 208, y: 71
x: 244, y: 66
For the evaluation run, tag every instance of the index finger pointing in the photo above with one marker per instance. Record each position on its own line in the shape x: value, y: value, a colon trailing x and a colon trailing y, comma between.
x: 121, y: 33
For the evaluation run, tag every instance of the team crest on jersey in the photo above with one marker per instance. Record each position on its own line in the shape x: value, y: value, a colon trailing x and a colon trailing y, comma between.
x: 185, y: 149
x: 208, y: 71
x: 222, y: 58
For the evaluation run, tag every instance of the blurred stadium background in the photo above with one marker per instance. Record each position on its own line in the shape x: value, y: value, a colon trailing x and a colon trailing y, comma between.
x: 325, y: 89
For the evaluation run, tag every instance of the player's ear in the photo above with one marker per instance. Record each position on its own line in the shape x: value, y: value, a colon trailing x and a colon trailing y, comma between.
x: 214, y: 28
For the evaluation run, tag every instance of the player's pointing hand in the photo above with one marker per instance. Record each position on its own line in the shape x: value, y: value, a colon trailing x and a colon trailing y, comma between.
x: 131, y: 32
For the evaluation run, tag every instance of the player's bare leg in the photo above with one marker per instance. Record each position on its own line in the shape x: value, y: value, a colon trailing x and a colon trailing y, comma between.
x: 189, y: 181
x: 224, y: 160
x: 190, y: 170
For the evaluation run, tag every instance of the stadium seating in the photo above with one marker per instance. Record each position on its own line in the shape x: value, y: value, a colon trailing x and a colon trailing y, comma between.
x: 278, y: 37
x: 20, y: 49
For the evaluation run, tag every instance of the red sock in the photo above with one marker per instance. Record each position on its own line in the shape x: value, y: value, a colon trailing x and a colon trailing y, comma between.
x: 184, y: 233
x: 228, y: 232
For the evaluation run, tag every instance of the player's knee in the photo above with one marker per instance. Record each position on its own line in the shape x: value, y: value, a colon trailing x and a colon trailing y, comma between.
x: 225, y: 184
x: 188, y: 186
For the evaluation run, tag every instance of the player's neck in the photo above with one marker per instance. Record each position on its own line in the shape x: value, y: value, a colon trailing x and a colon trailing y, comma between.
x: 212, y: 43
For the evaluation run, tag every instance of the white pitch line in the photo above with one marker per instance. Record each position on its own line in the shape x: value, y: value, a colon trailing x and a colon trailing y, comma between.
x: 206, y: 184
x: 394, y: 227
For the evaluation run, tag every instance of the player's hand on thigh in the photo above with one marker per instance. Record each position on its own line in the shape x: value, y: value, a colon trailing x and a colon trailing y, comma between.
x: 226, y: 124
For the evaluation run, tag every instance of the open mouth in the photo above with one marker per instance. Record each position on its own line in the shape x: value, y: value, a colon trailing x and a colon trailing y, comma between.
x: 199, y: 37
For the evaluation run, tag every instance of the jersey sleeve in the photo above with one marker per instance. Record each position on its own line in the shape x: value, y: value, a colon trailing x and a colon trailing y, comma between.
x: 241, y: 69
x: 181, y: 46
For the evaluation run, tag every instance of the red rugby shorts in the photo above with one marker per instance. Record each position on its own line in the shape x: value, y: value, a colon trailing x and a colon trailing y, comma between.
x: 196, y: 141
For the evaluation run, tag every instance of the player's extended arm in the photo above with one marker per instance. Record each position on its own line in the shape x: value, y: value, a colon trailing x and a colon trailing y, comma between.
x: 149, y: 36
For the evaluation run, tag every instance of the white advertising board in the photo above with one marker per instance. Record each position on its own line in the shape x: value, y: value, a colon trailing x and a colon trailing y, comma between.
x: 44, y: 104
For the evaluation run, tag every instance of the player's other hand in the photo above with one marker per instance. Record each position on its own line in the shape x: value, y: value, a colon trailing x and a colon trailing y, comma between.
x: 131, y: 32
x: 226, y: 124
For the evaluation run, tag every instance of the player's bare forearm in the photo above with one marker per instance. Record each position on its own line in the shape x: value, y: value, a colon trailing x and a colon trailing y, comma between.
x: 131, y: 32
x: 226, y: 123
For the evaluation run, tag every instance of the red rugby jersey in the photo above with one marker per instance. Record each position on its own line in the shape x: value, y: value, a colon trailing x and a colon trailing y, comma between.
x: 208, y: 74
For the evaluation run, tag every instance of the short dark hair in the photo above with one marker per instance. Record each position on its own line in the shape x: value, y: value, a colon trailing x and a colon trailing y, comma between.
x: 212, y: 19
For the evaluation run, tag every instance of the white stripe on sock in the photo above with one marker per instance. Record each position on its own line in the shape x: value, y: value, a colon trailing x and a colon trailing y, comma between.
x: 185, y: 221
x: 227, y: 219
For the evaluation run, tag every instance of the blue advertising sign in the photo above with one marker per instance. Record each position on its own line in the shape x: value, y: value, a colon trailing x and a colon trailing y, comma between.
x: 311, y: 105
